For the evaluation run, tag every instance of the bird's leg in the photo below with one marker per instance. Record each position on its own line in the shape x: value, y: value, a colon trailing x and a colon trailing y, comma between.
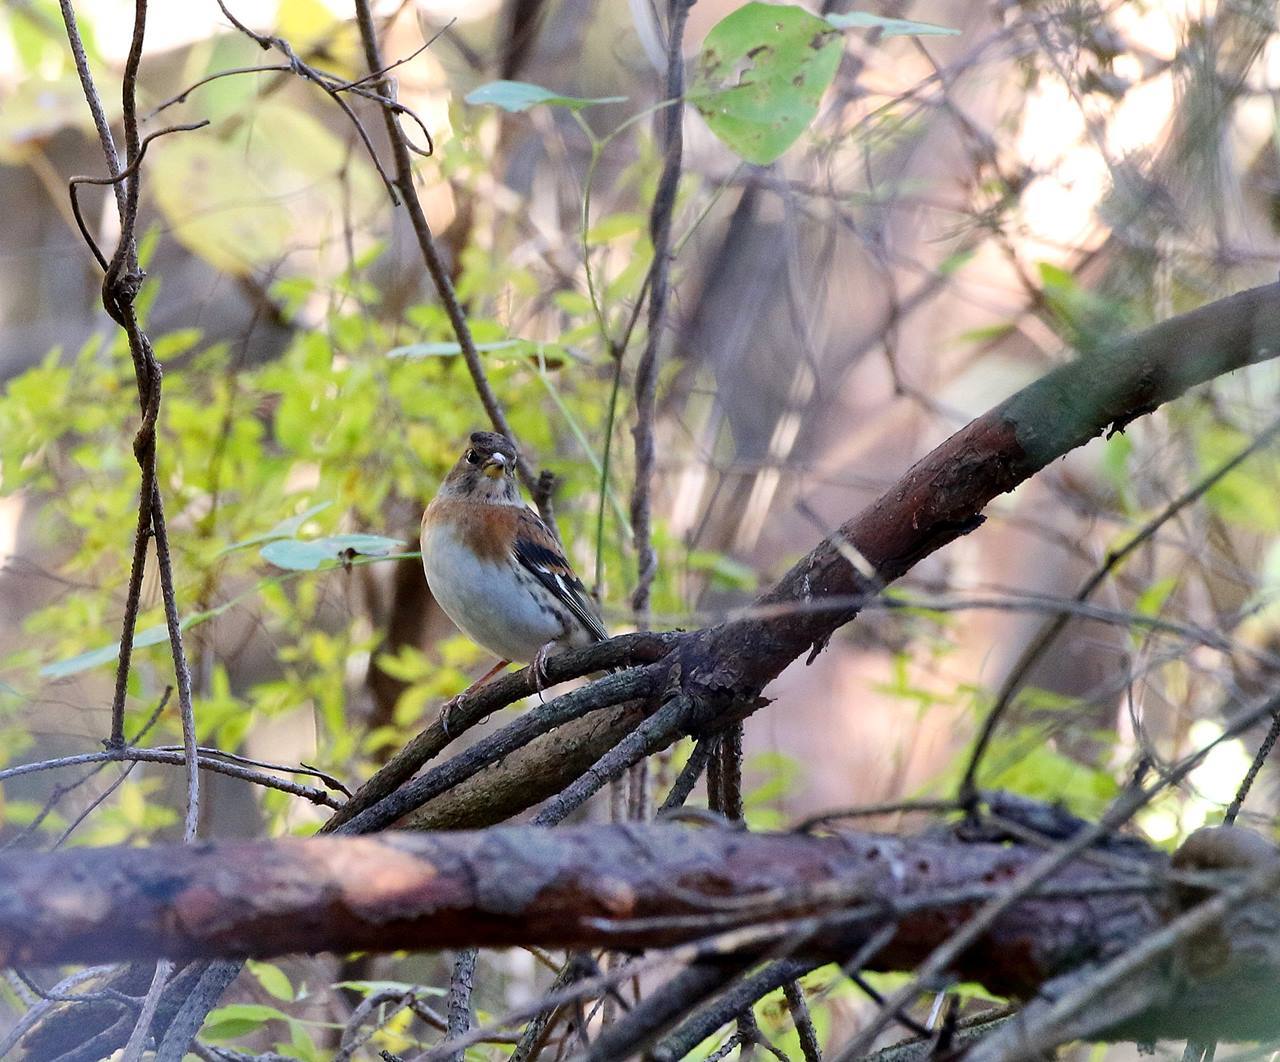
x: 539, y: 666
x: 452, y: 703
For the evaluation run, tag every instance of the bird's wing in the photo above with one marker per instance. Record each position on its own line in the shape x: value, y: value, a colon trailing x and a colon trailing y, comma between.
x: 535, y: 548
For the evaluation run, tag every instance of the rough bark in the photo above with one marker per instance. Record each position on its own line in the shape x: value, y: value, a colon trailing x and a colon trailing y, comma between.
x: 631, y: 886
x: 578, y: 887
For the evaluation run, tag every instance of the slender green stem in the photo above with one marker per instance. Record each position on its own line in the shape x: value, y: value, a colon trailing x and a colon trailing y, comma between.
x: 579, y: 434
x: 706, y: 210
x: 610, y: 417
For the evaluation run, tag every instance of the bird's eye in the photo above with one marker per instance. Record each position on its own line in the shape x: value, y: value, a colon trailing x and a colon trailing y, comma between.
x: 472, y: 457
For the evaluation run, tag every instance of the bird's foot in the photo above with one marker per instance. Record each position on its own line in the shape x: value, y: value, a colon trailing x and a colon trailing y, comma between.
x: 539, y: 666
x: 454, y: 702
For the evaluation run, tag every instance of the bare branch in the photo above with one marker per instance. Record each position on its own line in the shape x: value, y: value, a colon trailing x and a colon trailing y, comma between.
x: 209, y: 760
x: 119, y: 289
x: 664, y: 202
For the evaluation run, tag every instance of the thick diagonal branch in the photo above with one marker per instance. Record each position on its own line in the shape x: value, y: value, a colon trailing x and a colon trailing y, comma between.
x: 936, y: 501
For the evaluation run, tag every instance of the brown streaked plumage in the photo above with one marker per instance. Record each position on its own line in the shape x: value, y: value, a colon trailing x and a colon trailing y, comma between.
x: 494, y: 566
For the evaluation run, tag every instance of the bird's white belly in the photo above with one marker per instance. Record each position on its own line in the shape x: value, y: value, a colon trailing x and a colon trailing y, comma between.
x: 492, y: 603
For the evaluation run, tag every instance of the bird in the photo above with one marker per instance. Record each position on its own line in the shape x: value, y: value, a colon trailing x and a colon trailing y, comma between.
x: 496, y: 569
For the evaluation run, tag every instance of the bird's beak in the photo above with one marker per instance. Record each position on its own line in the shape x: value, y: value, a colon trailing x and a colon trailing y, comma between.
x: 495, y: 466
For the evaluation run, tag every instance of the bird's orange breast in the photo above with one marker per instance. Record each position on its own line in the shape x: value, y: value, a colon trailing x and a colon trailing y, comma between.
x: 489, y: 530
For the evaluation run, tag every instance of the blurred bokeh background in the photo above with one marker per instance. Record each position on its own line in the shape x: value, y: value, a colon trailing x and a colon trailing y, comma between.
x: 966, y: 211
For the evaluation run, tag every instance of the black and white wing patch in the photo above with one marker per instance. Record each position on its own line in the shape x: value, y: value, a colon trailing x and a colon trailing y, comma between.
x: 536, y: 550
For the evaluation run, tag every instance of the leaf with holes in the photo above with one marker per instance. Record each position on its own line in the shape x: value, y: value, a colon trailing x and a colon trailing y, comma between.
x: 761, y: 75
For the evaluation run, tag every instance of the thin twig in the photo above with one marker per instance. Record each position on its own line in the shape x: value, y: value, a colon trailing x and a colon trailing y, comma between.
x: 803, y: 1020
x: 61, y: 992
x: 652, y: 734
x: 725, y: 797
x: 733, y: 1003
x: 689, y: 775
x: 1264, y: 750
x: 535, y: 1032
x: 664, y: 200
x: 234, y: 757
x: 890, y: 807
x: 142, y: 1028
x: 177, y: 758
x: 629, y: 1037
x: 458, y: 1006
x: 333, y: 87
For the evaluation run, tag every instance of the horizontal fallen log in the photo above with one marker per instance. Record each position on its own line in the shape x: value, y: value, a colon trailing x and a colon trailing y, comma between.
x: 633, y: 887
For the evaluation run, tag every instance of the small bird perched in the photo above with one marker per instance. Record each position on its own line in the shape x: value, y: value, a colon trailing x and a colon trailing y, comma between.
x: 496, y: 568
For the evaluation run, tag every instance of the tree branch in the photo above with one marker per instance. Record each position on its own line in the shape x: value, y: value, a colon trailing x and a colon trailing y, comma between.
x: 624, y: 886
x: 936, y: 501
x: 655, y: 886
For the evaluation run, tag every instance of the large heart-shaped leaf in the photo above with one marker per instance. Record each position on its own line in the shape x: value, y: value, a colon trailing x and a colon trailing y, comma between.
x: 761, y: 75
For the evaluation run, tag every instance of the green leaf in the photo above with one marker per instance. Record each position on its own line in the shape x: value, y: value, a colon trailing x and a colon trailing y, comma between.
x: 298, y: 555
x: 447, y: 350
x: 284, y: 529
x: 761, y: 75
x: 273, y: 979
x: 371, y: 987
x: 238, y: 1019
x: 107, y: 654
x: 517, y: 96
x: 1152, y: 600
x: 892, y: 27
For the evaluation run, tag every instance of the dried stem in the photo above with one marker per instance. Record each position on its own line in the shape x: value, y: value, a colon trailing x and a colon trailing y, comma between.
x: 119, y: 289
x: 664, y: 201
x: 461, y: 984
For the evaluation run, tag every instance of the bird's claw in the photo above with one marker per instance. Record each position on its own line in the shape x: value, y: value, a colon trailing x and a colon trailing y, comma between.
x: 539, y: 666
x: 445, y: 709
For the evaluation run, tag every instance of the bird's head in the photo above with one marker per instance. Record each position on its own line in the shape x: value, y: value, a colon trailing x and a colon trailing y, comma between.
x: 486, y: 470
